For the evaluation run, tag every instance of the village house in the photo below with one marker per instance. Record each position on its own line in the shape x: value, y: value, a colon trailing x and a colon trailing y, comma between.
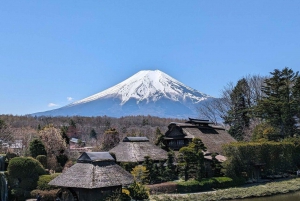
x: 94, y: 176
x: 135, y: 149
x: 179, y: 135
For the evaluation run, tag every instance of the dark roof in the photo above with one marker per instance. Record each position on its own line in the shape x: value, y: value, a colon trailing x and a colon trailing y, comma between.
x: 100, y: 174
x: 135, y: 139
x: 88, y: 157
x: 135, y: 151
x: 198, y: 121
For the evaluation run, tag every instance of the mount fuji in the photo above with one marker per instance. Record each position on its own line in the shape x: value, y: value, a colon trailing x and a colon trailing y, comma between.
x: 145, y: 93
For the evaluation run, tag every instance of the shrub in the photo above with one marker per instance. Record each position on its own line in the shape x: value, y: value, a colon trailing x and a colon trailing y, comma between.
x: 46, y: 195
x: 23, y: 174
x: 138, y: 191
x: 43, y: 181
x: 42, y: 159
x: 168, y: 187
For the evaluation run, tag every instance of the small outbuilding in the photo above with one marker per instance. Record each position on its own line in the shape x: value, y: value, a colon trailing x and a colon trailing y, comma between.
x: 135, y: 149
x: 94, y: 176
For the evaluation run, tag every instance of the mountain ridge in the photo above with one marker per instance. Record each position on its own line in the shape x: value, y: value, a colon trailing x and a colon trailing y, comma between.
x: 145, y: 93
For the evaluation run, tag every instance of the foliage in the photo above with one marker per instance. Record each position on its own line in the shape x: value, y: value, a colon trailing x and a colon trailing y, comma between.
x: 191, y: 160
x: 216, y: 166
x: 47, y: 195
x: 42, y: 159
x: 268, y: 189
x: 110, y: 139
x: 159, y: 139
x: 138, y: 191
x: 167, y: 187
x: 280, y: 104
x: 23, y: 174
x: 53, y: 141
x: 170, y: 170
x: 62, y: 159
x: 36, y: 148
x: 42, y: 183
x: 64, y: 135
x: 265, y: 131
x: 238, y: 116
x: 205, y: 184
x: 128, y: 166
x: 93, y: 134
x: 140, y: 174
x: 242, y: 157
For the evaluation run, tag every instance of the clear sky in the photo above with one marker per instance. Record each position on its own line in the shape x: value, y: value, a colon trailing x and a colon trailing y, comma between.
x: 55, y: 52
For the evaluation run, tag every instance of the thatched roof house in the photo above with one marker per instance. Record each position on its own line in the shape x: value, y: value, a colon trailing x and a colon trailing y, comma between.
x: 94, y: 175
x: 213, y: 137
x: 134, y: 149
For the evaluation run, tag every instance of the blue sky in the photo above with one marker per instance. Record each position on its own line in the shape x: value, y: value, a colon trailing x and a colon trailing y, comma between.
x: 56, y: 52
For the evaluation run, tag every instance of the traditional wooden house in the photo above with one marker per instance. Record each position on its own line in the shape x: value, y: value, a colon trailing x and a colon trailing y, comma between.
x: 134, y: 149
x: 213, y: 137
x: 94, y: 176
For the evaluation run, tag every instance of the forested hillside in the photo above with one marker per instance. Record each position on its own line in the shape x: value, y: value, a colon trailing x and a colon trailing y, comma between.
x: 89, y: 129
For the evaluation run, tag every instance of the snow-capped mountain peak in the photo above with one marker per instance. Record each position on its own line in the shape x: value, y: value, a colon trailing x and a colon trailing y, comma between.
x: 147, y: 92
x: 148, y: 85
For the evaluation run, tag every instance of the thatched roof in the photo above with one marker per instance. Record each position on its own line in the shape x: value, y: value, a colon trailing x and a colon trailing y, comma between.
x: 93, y: 170
x: 135, y: 150
x: 212, y: 138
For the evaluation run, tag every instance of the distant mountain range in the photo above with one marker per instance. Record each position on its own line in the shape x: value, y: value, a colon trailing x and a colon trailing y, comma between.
x: 145, y: 93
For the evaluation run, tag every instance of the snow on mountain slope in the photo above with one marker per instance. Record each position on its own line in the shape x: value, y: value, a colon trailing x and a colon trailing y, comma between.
x: 150, y: 86
x: 145, y: 93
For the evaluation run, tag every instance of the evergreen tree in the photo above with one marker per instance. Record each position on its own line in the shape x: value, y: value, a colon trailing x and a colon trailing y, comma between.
x: 148, y: 163
x: 93, y: 134
x: 191, y: 160
x: 216, y: 166
x: 170, y: 170
x: 280, y: 104
x: 159, y: 139
x: 238, y: 116
x: 63, y: 132
x: 138, y: 191
x: 36, y: 148
x: 140, y: 174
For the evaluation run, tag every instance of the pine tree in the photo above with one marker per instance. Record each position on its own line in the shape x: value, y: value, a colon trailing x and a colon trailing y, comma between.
x: 238, y: 116
x: 280, y: 104
x: 93, y: 134
x: 36, y: 148
x: 170, y: 170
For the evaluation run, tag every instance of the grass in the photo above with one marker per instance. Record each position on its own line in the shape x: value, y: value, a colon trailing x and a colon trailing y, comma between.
x: 272, y: 188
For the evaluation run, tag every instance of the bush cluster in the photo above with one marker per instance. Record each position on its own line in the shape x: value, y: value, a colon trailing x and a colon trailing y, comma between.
x: 206, y: 184
x: 46, y: 195
x: 167, y: 187
x: 43, y: 181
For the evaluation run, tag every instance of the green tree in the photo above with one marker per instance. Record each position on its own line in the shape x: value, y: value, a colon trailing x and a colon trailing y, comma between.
x: 138, y: 191
x: 148, y: 163
x: 63, y: 132
x: 36, y: 148
x: 280, y: 104
x: 160, y: 139
x: 191, y: 160
x: 93, y: 134
x: 23, y: 174
x: 238, y: 116
x: 170, y: 170
x: 140, y: 174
